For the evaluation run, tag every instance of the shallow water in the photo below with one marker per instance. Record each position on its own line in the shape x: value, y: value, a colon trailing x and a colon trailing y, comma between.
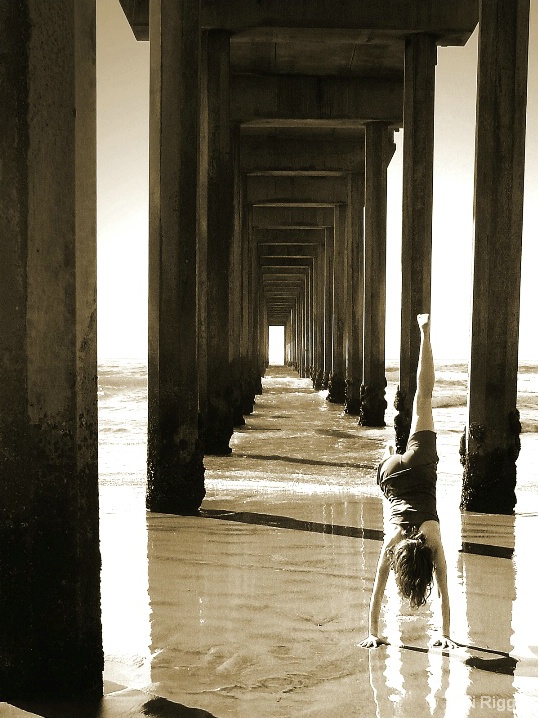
x: 123, y: 426
x: 256, y: 607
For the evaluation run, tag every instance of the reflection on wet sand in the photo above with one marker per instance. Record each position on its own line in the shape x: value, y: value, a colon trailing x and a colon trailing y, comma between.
x: 299, y: 603
x: 406, y: 684
x: 258, y: 605
x: 490, y: 594
x: 267, y: 615
x: 254, y: 609
x: 254, y: 620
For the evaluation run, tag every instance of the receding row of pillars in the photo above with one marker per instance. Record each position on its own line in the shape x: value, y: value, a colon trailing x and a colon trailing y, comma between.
x: 491, y: 442
x: 203, y: 350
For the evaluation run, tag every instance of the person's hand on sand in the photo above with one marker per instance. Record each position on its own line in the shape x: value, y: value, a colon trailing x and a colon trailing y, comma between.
x: 444, y: 642
x: 371, y: 642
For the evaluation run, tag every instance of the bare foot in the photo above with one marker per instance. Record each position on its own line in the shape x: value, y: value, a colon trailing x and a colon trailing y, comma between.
x: 423, y: 321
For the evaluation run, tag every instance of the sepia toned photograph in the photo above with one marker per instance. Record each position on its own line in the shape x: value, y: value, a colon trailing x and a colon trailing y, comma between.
x: 268, y: 358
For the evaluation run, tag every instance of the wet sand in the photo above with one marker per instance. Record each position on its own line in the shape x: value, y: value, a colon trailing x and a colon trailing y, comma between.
x: 255, y: 608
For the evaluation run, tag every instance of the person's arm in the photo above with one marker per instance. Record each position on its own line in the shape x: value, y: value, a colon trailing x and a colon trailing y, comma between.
x: 380, y: 581
x: 442, y: 588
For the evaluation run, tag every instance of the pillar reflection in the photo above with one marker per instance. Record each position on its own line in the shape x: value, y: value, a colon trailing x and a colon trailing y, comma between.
x: 489, y: 585
x: 124, y: 586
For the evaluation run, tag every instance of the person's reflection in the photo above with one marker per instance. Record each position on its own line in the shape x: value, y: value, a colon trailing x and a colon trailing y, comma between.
x: 469, y: 682
x: 489, y: 585
x: 408, y: 682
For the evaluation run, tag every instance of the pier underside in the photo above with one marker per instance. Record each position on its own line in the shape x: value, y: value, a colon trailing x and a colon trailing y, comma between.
x: 271, y: 129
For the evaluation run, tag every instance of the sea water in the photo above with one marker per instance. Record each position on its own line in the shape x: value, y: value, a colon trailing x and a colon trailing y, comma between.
x: 123, y: 409
x: 149, y: 623
x: 123, y: 417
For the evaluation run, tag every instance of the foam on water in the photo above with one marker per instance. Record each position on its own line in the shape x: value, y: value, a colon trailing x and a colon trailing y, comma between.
x: 336, y: 468
x: 226, y: 616
x: 122, y: 396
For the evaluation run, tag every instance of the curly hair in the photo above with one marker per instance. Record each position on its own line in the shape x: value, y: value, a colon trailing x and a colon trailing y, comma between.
x: 412, y: 562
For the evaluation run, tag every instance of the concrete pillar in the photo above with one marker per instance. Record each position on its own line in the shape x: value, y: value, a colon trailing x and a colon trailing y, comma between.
x: 493, y: 420
x: 289, y: 342
x: 419, y: 97
x: 262, y: 329
x: 319, y: 265
x: 257, y: 368
x: 337, y: 379
x: 290, y: 339
x: 297, y: 318
x: 373, y: 403
x: 264, y: 335
x: 50, y: 642
x: 328, y: 307
x: 297, y: 334
x: 309, y: 319
x: 175, y: 456
x: 236, y: 283
x: 302, y: 324
x: 202, y: 274
x: 304, y: 329
x: 307, y: 327
x: 217, y: 191
x: 355, y: 300
x: 246, y: 383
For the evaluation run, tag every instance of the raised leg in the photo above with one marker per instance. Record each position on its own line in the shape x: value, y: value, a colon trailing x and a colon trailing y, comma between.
x: 422, y: 418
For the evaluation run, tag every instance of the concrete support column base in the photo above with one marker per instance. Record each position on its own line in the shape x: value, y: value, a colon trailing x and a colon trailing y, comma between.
x: 353, y: 397
x: 236, y: 394
x: 258, y: 384
x: 51, y: 639
x: 489, y: 473
x: 251, y: 385
x: 237, y: 416
x: 247, y: 400
x: 217, y: 426
x: 337, y: 388
x: 402, y: 421
x: 317, y: 379
x: 373, y: 405
x: 176, y: 481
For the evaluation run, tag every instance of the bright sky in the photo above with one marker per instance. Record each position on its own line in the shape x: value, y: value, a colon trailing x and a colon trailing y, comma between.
x: 122, y: 190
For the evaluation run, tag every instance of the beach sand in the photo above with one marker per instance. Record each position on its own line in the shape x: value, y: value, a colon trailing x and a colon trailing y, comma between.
x: 255, y: 608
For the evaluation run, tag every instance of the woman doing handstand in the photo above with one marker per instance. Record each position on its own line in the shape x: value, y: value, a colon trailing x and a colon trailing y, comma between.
x: 412, y: 546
